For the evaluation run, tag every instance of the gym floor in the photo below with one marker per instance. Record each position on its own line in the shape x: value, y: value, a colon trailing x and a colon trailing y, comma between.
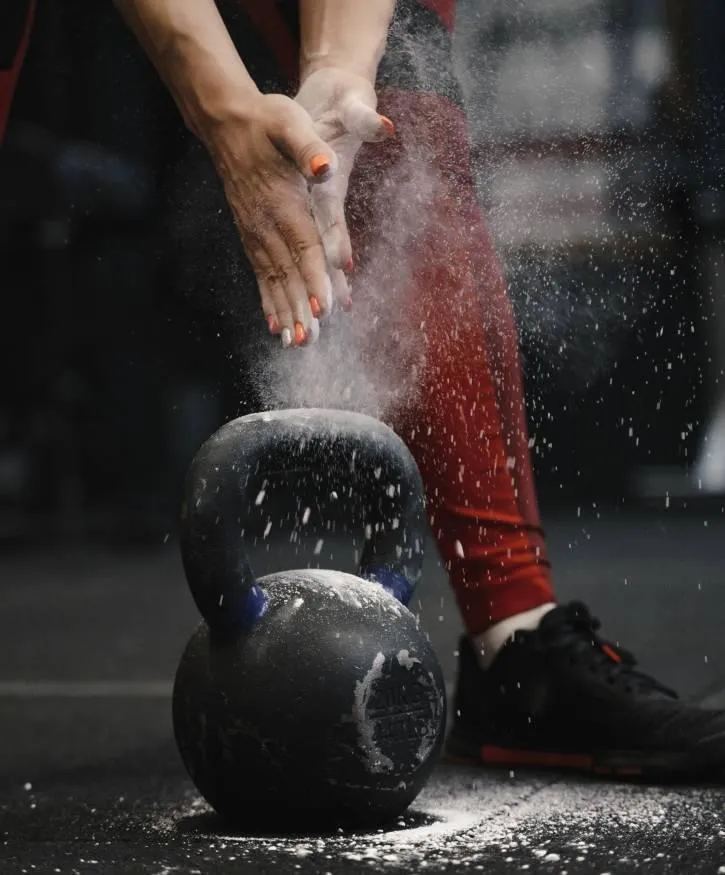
x: 90, y: 781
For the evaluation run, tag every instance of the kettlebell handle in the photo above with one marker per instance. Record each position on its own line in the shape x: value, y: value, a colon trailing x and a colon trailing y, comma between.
x: 221, y: 492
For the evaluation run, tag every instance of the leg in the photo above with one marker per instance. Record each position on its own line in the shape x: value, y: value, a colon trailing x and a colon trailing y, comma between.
x: 466, y: 425
x: 555, y: 693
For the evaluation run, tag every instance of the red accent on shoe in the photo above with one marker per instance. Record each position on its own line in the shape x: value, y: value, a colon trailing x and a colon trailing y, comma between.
x: 611, y: 653
x: 513, y: 757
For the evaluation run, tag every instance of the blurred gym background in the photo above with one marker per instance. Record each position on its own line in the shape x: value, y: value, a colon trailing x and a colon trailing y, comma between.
x: 599, y: 137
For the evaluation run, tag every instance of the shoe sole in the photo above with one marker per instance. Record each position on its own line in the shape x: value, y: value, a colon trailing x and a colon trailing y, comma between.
x: 633, y: 765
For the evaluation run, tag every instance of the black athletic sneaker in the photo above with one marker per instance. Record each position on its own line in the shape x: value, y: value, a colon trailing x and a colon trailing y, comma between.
x: 562, y: 697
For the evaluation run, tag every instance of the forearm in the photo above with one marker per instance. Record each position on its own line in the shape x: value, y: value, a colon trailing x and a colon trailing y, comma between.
x: 190, y: 47
x: 350, y: 34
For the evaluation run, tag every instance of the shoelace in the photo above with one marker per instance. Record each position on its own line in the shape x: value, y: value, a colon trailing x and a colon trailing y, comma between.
x: 576, y: 631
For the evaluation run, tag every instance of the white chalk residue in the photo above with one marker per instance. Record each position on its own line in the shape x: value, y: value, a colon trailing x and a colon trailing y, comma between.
x: 375, y: 760
x: 406, y: 660
x: 344, y: 587
x: 428, y: 740
x: 368, y: 360
x: 447, y: 823
x: 470, y: 819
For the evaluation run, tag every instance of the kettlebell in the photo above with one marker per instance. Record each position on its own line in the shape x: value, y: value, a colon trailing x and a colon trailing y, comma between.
x: 307, y: 697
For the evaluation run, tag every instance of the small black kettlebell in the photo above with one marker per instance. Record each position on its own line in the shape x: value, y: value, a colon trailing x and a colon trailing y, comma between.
x: 307, y: 697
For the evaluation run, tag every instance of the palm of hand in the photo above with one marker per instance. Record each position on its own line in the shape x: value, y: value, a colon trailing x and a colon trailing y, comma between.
x: 342, y: 107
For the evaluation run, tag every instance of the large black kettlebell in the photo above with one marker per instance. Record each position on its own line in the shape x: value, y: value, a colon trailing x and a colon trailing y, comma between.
x: 307, y: 696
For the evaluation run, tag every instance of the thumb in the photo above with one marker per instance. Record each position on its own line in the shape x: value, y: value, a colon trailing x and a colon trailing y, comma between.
x: 360, y: 119
x: 293, y: 133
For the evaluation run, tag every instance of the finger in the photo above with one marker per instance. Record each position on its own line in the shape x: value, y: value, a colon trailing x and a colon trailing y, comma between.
x: 285, y: 313
x: 322, y: 304
x: 293, y: 132
x: 262, y: 269
x: 272, y: 291
x: 293, y: 267
x: 329, y: 296
x: 340, y: 289
x: 297, y: 313
x: 361, y: 119
x: 308, y: 256
x: 269, y: 307
x: 313, y: 275
x: 314, y: 333
x: 328, y: 209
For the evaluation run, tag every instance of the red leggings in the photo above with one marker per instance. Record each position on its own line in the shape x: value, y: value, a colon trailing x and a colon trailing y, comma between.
x: 466, y: 424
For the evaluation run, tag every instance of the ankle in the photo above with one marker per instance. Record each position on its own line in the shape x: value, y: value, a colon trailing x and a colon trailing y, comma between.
x: 487, y: 644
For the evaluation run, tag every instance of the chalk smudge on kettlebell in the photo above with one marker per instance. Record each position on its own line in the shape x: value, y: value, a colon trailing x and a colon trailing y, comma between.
x: 406, y: 660
x: 429, y: 739
x: 374, y: 759
x: 287, y: 612
x: 376, y: 712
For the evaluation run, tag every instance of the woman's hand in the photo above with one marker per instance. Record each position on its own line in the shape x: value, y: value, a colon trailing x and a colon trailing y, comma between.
x: 266, y: 148
x: 268, y: 157
x: 342, y: 106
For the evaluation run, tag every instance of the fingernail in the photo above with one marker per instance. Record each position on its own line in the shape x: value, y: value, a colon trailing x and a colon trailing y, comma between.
x: 315, y: 306
x: 349, y: 265
x: 300, y: 333
x: 286, y: 338
x: 272, y: 325
x: 319, y: 165
x: 388, y: 125
x: 347, y: 306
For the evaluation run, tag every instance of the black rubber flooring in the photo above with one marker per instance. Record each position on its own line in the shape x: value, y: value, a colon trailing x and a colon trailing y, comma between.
x: 90, y: 781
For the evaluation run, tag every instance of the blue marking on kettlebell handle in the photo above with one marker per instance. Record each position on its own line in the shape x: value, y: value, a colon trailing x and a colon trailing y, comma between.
x: 252, y: 608
x: 394, y: 582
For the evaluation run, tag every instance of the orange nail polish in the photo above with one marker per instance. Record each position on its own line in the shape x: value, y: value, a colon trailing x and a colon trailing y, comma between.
x: 349, y: 265
x: 388, y: 125
x: 315, y: 306
x: 272, y: 325
x: 300, y: 334
x: 319, y: 165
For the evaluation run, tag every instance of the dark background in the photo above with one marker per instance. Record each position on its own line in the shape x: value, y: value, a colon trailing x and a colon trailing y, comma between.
x: 112, y: 374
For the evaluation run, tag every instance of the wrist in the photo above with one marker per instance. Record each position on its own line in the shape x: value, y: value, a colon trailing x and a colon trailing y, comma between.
x: 366, y: 68
x: 347, y: 34
x: 210, y: 92
x: 216, y: 108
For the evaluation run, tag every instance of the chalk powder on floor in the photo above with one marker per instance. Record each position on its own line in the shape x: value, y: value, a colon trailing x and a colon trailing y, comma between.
x: 551, y: 827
